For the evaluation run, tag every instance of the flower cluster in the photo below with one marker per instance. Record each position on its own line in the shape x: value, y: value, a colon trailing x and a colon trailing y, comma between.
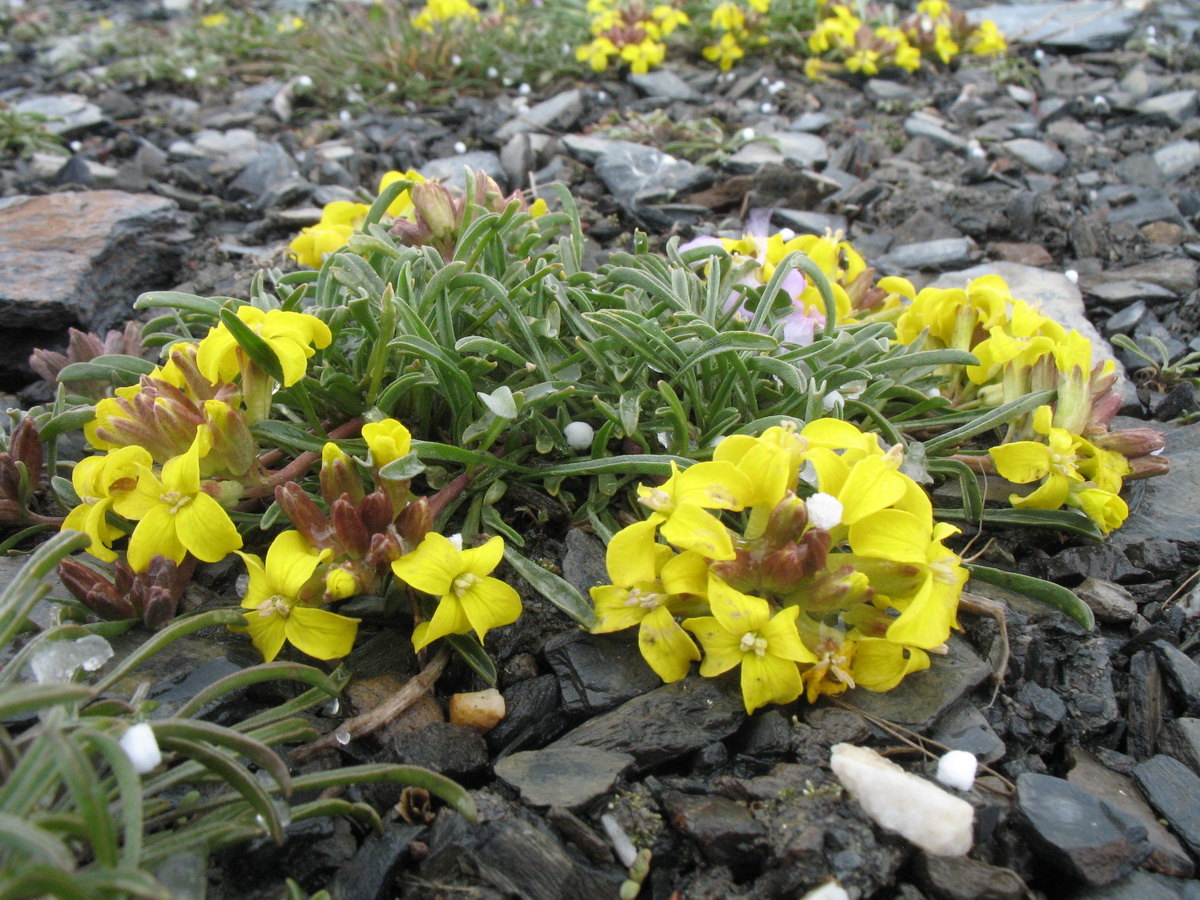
x: 445, y: 12
x: 857, y: 295
x: 838, y: 575
x: 1021, y: 351
x: 843, y: 40
x: 340, y: 218
x: 177, y: 451
x: 629, y: 31
x: 736, y: 28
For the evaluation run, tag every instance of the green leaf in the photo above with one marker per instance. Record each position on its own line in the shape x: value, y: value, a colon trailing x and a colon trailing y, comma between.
x: 416, y: 776
x: 272, y: 433
x: 28, y: 586
x: 209, y: 306
x: 468, y: 647
x: 177, y: 629
x: 1047, y: 592
x: 21, y: 699
x: 199, y: 731
x: 20, y: 837
x: 989, y: 420
x: 402, y: 469
x: 127, y: 369
x: 256, y: 348
x: 66, y: 422
x: 271, y: 671
x: 500, y: 402
x: 557, y: 590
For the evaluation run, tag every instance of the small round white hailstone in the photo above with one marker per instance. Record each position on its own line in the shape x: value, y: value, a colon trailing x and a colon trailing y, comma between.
x: 1072, y: 276
x: 767, y: 108
x: 345, y: 116
x: 566, y: 49
x: 189, y: 73
x: 746, y: 134
x: 524, y: 90
x: 455, y: 539
x: 957, y: 770
x: 832, y: 399
x: 830, y: 890
x: 764, y: 81
x: 775, y: 87
x: 460, y: 147
x: 786, y: 234
x: 76, y: 145
x: 1100, y: 104
x: 602, y: 96
x: 824, y: 511
x: 1039, y: 55
x: 493, y: 72
x: 506, y: 81
x: 1151, y: 31
x: 455, y: 60
x: 579, y: 435
x: 391, y: 87
x: 141, y: 747
x: 304, y: 81
x: 975, y: 149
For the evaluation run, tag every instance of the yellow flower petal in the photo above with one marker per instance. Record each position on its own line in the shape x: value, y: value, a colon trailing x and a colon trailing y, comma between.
x: 489, y: 604
x: 206, y: 530
x: 665, y: 646
x: 722, y: 650
x: 320, y: 633
x: 432, y: 567
x: 769, y: 679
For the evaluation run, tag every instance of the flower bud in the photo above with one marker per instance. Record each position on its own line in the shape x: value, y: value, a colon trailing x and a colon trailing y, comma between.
x: 787, y: 522
x: 94, y: 591
x: 340, y: 584
x: 338, y: 475
x: 376, y: 512
x: 415, y: 521
x: 436, y: 211
x: 385, y: 548
x: 348, y: 525
x: 1131, y: 442
x: 1148, y: 467
x: 25, y: 446
x: 233, y: 446
x: 304, y: 513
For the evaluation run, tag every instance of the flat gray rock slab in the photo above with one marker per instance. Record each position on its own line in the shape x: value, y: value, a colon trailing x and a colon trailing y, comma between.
x: 559, y: 113
x: 798, y: 148
x: 1174, y: 790
x: 65, y: 113
x: 666, y: 723
x: 640, y: 174
x: 569, y: 777
x: 1164, y: 508
x: 83, y: 258
x: 1090, y: 25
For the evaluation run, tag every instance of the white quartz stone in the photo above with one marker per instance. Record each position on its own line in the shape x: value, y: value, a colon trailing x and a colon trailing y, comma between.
x: 916, y: 809
x: 141, y: 747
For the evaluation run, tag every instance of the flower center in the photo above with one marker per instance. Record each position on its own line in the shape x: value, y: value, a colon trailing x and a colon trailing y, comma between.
x: 751, y: 640
x: 277, y: 605
x: 645, y: 599
x: 175, y: 500
x: 464, y: 583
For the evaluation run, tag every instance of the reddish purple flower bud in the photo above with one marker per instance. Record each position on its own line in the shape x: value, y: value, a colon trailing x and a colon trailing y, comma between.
x: 1131, y: 442
x: 95, y: 592
x: 25, y: 447
x: 384, y: 549
x: 415, y: 521
x: 304, y: 513
x: 349, y: 527
x: 376, y: 511
x: 1149, y: 467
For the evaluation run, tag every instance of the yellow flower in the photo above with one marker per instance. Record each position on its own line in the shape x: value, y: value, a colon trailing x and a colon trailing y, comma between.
x: 679, y: 506
x: 216, y: 20
x: 881, y: 664
x: 669, y: 18
x: 387, y: 440
x: 470, y: 600
x: 175, y: 516
x: 278, y: 615
x: 290, y: 23
x: 403, y: 204
x: 100, y: 481
x: 728, y: 17
x: 863, y: 60
x: 742, y: 631
x: 725, y: 53
x: 644, y: 56
x: 596, y: 53
x: 444, y: 11
x: 1028, y: 461
x: 338, y: 221
x: 943, y: 43
x: 761, y: 6
x: 1105, y: 508
x: 647, y: 581
x: 934, y: 9
x: 987, y: 40
x: 291, y: 335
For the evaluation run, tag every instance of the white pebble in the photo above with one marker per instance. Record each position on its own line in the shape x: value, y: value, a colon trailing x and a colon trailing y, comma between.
x: 344, y: 115
x: 304, y: 81
x: 493, y: 72
x: 918, y: 810
x: 460, y: 147
x: 1072, y: 276
x: 141, y: 746
x: 824, y: 511
x: 786, y: 234
x: 579, y: 435
x: 767, y: 108
x: 455, y: 60
x: 830, y: 890
x: 188, y: 72
x: 746, y: 134
x: 524, y: 90
x: 975, y: 149
x: 957, y: 770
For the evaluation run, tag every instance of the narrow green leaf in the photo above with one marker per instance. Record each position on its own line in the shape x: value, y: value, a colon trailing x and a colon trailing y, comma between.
x: 198, y: 731
x: 209, y: 306
x: 129, y: 791
x: 468, y: 647
x: 126, y: 368
x: 177, y: 629
x: 402, y: 469
x: 43, y: 881
x: 256, y: 348
x: 1047, y: 592
x: 21, y: 699
x: 333, y: 806
x: 19, y: 837
x: 28, y: 586
x: 66, y: 422
x: 438, y: 785
x: 283, y: 434
x: 83, y: 783
x: 993, y: 419
x: 271, y: 671
x: 557, y: 590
